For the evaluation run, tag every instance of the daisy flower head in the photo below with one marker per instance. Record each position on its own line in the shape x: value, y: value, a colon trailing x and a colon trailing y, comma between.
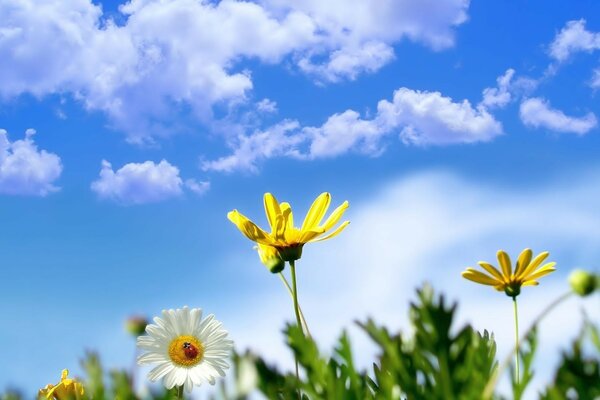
x: 66, y: 389
x: 284, y: 236
x: 526, y: 272
x: 187, y: 349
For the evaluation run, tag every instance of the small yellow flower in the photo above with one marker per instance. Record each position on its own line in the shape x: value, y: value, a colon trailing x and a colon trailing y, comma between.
x: 526, y: 272
x: 66, y: 389
x: 284, y: 236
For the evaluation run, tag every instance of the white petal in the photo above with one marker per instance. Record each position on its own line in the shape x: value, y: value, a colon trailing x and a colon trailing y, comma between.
x: 159, y: 371
x: 170, y: 378
x: 188, y: 385
x: 152, y: 357
x: 195, y: 317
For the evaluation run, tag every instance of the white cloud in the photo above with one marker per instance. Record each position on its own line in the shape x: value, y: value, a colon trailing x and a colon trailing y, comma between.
x: 186, y: 54
x: 574, y: 38
x: 431, y: 226
x: 430, y: 118
x: 267, y: 106
x: 349, y: 62
x: 138, y: 183
x: 499, y: 96
x: 25, y: 170
x: 276, y: 141
x: 199, y: 188
x: 537, y: 113
x: 420, y: 118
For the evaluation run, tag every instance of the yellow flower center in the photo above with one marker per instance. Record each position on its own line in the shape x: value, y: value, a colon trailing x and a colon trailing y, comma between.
x: 186, y: 351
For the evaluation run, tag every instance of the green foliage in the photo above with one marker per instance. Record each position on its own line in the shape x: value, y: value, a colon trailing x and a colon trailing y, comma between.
x: 432, y: 364
x: 435, y: 361
x: 578, y: 375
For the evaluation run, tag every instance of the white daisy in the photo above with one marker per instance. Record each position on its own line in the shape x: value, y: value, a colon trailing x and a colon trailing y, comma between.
x: 187, y: 349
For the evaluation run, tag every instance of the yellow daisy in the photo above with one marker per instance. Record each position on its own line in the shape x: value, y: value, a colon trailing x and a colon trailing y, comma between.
x: 66, y: 389
x: 526, y: 272
x: 284, y: 236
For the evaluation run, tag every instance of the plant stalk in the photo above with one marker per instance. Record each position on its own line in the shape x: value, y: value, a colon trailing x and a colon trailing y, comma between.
x: 290, y: 291
x: 517, y: 369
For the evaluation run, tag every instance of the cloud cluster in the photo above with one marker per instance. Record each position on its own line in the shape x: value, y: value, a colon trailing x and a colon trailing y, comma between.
x: 25, y: 170
x: 140, y: 183
x: 537, y: 113
x: 188, y: 54
x: 418, y: 118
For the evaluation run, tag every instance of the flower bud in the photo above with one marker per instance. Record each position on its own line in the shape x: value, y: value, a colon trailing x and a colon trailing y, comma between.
x: 136, y: 325
x: 271, y: 258
x: 583, y: 282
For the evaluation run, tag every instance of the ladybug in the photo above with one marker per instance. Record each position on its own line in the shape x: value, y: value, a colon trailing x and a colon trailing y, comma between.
x: 190, y: 351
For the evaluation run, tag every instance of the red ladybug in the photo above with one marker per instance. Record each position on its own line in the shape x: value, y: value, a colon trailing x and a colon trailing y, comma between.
x: 190, y: 351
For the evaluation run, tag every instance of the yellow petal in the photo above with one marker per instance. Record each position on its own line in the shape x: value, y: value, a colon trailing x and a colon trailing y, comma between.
x: 247, y: 227
x: 272, y: 209
x: 309, y: 235
x: 537, y: 261
x: 530, y: 283
x: 505, y: 263
x: 492, y: 270
x: 290, y: 220
x: 523, y: 261
x: 280, y: 225
x: 332, y: 234
x: 317, y: 211
x: 545, y: 270
x: 335, y: 216
x: 479, y: 277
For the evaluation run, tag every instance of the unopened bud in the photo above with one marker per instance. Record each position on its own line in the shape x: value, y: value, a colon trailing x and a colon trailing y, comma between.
x: 136, y: 325
x: 583, y: 282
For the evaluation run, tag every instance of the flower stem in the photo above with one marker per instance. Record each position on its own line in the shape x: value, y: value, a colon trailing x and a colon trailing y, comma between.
x: 517, y: 370
x: 290, y: 291
x: 297, y: 312
x: 489, y: 388
x: 295, y: 293
x: 180, y: 392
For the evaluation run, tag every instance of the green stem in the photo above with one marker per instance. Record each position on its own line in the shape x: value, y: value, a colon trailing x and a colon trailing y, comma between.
x: 295, y: 293
x: 297, y: 312
x: 290, y: 291
x: 489, y: 388
x: 517, y: 369
x: 180, y: 392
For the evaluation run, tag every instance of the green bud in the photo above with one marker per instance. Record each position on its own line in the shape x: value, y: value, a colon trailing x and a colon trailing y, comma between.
x: 275, y: 264
x: 136, y: 325
x: 513, y: 290
x: 583, y: 282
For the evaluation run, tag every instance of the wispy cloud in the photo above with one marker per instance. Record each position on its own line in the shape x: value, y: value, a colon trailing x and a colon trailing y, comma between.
x: 573, y: 38
x: 25, y: 170
x: 537, y: 113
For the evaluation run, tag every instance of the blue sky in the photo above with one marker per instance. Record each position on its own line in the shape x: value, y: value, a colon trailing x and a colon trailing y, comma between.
x: 453, y: 129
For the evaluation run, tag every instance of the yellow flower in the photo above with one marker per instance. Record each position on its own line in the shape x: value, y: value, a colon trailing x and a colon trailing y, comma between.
x: 284, y: 236
x: 526, y: 272
x: 66, y: 389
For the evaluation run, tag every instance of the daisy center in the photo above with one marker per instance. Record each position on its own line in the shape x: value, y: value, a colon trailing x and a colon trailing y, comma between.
x: 186, y: 351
